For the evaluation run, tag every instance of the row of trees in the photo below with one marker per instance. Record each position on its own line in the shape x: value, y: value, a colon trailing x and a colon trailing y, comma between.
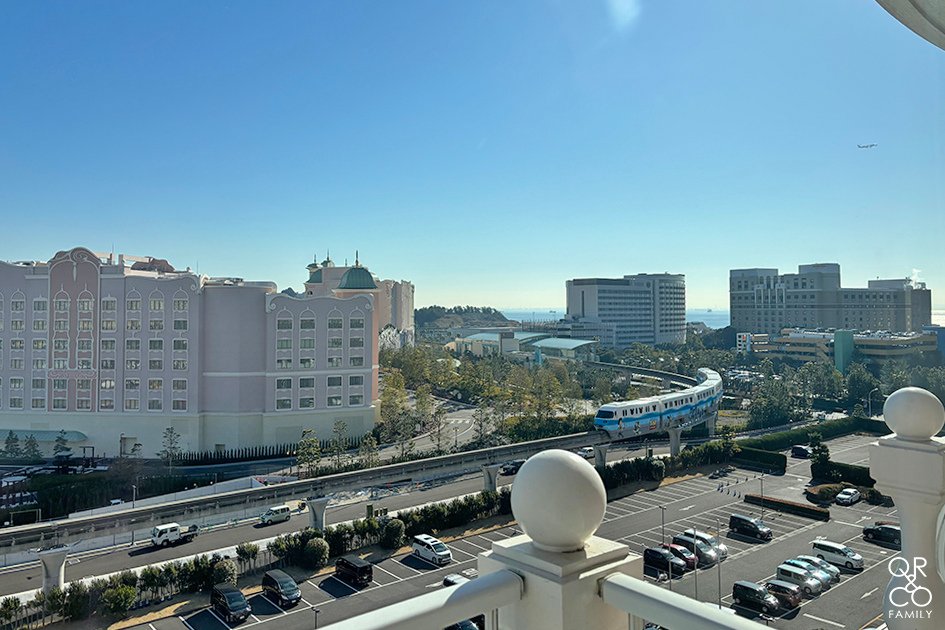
x: 28, y: 450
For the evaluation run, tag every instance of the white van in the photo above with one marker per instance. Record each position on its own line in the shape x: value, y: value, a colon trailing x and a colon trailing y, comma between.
x: 431, y: 550
x: 276, y: 514
x: 803, y: 579
x: 837, y: 553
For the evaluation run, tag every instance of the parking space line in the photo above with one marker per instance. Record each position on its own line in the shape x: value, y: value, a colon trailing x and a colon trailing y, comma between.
x: 827, y: 621
x: 184, y: 621
x: 468, y: 542
x: 377, y: 566
x: 217, y: 617
x: 465, y: 553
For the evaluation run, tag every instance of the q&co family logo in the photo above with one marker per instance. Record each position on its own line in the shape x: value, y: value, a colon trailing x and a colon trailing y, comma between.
x: 911, y: 600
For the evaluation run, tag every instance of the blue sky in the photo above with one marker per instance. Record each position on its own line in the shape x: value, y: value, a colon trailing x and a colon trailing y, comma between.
x: 487, y: 150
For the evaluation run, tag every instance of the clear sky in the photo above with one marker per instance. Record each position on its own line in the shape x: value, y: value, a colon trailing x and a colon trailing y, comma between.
x: 485, y: 150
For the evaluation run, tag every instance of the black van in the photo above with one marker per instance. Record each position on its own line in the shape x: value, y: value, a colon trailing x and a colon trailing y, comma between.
x: 229, y: 603
x: 751, y: 595
x: 748, y: 526
x: 799, y: 450
x: 279, y: 587
x: 354, y: 571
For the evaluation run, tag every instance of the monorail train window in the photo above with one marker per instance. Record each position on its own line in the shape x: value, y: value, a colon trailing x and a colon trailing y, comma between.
x: 603, y: 413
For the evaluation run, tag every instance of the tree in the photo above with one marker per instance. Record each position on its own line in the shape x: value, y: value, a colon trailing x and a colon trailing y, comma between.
x: 12, y: 447
x: 171, y: 443
x: 482, y: 421
x: 393, y: 403
x: 727, y: 435
x: 339, y: 441
x: 423, y: 403
x: 393, y: 535
x: 118, y: 600
x: 403, y: 431
x: 368, y: 451
x: 819, y: 457
x: 315, y: 554
x: 437, y: 424
x: 894, y: 375
x: 225, y: 571
x: 150, y: 580
x: 246, y: 553
x: 10, y: 608
x: 859, y: 384
x: 309, y: 452
x: 61, y: 447
x: 772, y: 405
x: 602, y: 391
x: 31, y: 448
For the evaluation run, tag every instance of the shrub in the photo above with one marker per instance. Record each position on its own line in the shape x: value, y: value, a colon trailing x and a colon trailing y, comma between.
x: 118, y: 600
x: 791, y: 507
x: 758, y: 459
x: 824, y: 493
x: 75, y: 604
x: 393, y: 536
x: 316, y: 554
x: 225, y: 572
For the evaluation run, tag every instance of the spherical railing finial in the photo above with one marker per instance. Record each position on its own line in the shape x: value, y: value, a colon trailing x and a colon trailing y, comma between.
x: 914, y: 414
x: 559, y: 500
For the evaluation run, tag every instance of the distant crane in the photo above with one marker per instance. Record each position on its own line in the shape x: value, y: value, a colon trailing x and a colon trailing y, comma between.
x: 866, y: 146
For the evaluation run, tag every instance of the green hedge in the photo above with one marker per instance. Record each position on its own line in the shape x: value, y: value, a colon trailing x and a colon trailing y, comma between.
x: 791, y: 507
x: 828, y: 429
x: 762, y: 460
x: 857, y: 475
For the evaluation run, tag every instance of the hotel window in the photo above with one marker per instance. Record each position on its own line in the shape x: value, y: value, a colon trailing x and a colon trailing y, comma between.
x: 17, y: 306
x: 85, y: 325
x: 106, y: 403
x: 39, y: 383
x: 356, y: 342
x: 284, y: 324
x: 132, y: 344
x: 307, y: 363
x: 133, y: 305
x: 109, y: 304
x: 132, y: 383
x: 156, y: 324
x: 108, y: 364
x: 133, y: 324
x: 180, y: 364
x: 155, y: 384
x: 39, y: 344
x: 284, y: 364
x: 16, y: 383
x: 109, y: 324
x: 180, y: 344
x: 156, y: 364
x: 155, y: 404
x: 61, y: 325
x: 283, y: 344
x: 39, y: 364
x: 180, y: 324
x: 180, y: 305
x: 334, y: 401
x: 59, y: 403
x: 60, y: 383
x: 156, y: 304
x: 84, y: 305
x: 84, y: 345
x: 357, y: 380
x: 307, y: 343
x: 17, y: 344
x: 356, y: 322
x: 62, y: 305
x: 39, y: 305
x: 16, y: 403
x: 132, y: 364
x: 306, y: 382
x: 179, y: 384
x: 155, y: 344
x: 39, y: 403
x: 17, y: 324
x: 357, y: 362
x: 307, y: 323
x: 335, y: 323
x: 356, y: 399
x: 306, y: 403
x: 334, y: 381
x: 108, y: 345
x: 179, y: 405
x: 83, y: 383
x: 283, y: 403
x: 283, y: 383
x: 39, y: 324
x: 334, y: 342
x: 334, y: 361
x: 107, y: 383
x: 131, y: 404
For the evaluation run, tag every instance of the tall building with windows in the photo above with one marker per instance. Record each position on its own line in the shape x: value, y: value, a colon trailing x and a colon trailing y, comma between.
x: 642, y: 308
x: 764, y: 301
x: 114, y: 351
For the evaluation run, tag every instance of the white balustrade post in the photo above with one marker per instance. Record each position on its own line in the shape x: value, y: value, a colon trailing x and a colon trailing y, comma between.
x: 909, y: 466
x: 559, y: 500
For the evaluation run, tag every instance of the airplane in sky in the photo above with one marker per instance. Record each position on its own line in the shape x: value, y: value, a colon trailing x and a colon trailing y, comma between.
x: 866, y: 146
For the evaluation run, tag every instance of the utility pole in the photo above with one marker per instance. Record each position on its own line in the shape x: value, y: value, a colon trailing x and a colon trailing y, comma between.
x: 762, y: 495
x: 718, y: 528
x: 695, y: 572
x: 662, y: 524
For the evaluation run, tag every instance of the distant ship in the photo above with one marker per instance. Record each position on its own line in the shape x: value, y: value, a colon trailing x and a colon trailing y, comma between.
x: 708, y: 310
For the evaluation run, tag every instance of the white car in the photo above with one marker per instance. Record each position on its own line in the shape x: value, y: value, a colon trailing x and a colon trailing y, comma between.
x: 848, y: 496
x: 587, y: 452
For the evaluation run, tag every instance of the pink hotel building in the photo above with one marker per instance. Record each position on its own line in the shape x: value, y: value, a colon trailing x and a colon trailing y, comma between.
x: 114, y: 353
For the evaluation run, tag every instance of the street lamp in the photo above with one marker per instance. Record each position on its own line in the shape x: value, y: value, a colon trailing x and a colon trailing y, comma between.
x: 762, y: 495
x: 718, y: 530
x: 695, y: 572
x: 869, y: 401
x: 662, y: 524
x: 316, y: 611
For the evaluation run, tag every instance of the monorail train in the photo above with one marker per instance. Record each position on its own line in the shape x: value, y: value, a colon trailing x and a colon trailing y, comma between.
x: 658, y: 413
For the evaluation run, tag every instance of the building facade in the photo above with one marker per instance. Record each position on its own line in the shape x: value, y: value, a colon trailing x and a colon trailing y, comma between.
x: 642, y: 308
x: 764, y: 301
x: 114, y: 353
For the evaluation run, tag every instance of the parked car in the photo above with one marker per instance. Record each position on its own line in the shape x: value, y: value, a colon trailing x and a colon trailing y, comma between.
x: 802, y: 451
x: 279, y: 588
x: 586, y: 452
x: 823, y: 565
x: 837, y: 554
x: 751, y: 595
x: 799, y: 577
x: 276, y: 514
x: 705, y: 554
x: 789, y: 595
x: 748, y: 526
x: 884, y: 532
x: 664, y: 560
x: 683, y: 554
x: 710, y: 540
x: 431, y: 550
x: 819, y: 574
x: 848, y: 496
x: 454, y: 579
x: 354, y: 571
x: 229, y: 603
x: 512, y: 467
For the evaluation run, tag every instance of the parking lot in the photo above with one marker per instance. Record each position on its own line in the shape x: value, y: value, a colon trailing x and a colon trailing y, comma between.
x: 639, y: 521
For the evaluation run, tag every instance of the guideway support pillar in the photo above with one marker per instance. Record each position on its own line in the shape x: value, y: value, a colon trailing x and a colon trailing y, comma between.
x: 54, y: 567
x: 490, y: 475
x: 316, y: 511
x: 675, y: 438
x: 600, y: 455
